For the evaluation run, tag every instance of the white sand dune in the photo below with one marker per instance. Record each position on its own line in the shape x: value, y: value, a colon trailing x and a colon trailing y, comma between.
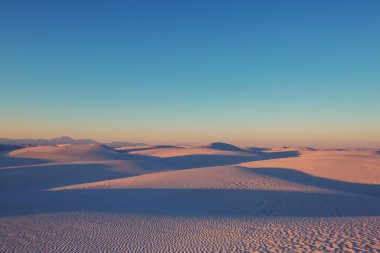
x: 213, y: 198
x: 352, y: 171
x: 224, y: 177
x: 68, y: 153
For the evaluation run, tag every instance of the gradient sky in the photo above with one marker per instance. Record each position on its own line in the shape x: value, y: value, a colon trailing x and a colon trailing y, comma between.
x: 259, y: 73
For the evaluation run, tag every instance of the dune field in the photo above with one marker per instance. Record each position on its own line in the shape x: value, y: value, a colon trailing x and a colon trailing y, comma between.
x: 212, y: 198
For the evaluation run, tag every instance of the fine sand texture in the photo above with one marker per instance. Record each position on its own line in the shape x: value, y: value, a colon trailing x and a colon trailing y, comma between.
x: 210, y: 198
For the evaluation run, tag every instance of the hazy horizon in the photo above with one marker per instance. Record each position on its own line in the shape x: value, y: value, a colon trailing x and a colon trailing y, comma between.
x: 262, y: 144
x: 250, y: 73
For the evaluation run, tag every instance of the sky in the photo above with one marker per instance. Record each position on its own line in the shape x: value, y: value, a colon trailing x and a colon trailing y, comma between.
x: 252, y: 73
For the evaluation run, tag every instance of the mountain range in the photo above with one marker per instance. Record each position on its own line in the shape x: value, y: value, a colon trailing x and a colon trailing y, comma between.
x: 62, y: 140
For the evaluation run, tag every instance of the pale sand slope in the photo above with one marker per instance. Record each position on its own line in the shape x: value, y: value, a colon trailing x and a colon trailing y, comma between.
x: 352, y: 171
x: 215, y: 198
x: 43, y: 167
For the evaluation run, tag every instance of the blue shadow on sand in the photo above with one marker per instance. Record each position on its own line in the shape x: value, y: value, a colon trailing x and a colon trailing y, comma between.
x: 201, y: 160
x: 39, y: 175
x: 205, y: 202
x: 306, y: 179
x: 190, y: 202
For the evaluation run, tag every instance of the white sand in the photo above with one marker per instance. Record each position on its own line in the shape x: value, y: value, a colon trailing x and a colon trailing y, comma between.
x: 214, y: 198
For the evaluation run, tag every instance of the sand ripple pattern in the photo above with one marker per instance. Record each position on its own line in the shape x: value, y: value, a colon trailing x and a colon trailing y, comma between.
x: 97, y: 232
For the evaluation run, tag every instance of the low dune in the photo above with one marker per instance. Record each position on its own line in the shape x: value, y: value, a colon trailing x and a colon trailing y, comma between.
x: 348, y: 166
x: 223, y: 146
x: 69, y: 153
x: 213, y: 198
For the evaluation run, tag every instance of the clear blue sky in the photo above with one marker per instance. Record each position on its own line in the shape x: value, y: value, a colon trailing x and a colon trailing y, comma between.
x: 247, y: 72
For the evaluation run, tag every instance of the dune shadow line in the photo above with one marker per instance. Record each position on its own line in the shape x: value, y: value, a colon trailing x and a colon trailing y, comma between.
x: 190, y: 202
x: 306, y: 179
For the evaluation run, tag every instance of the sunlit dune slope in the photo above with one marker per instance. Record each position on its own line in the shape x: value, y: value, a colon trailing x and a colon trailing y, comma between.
x: 357, y: 166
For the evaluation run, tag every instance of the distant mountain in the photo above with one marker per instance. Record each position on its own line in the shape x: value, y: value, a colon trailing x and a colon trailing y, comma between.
x: 62, y: 140
x: 68, y: 140
x: 54, y: 141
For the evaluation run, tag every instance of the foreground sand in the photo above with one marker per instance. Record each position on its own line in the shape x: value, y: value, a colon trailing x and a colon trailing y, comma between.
x: 215, y: 198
